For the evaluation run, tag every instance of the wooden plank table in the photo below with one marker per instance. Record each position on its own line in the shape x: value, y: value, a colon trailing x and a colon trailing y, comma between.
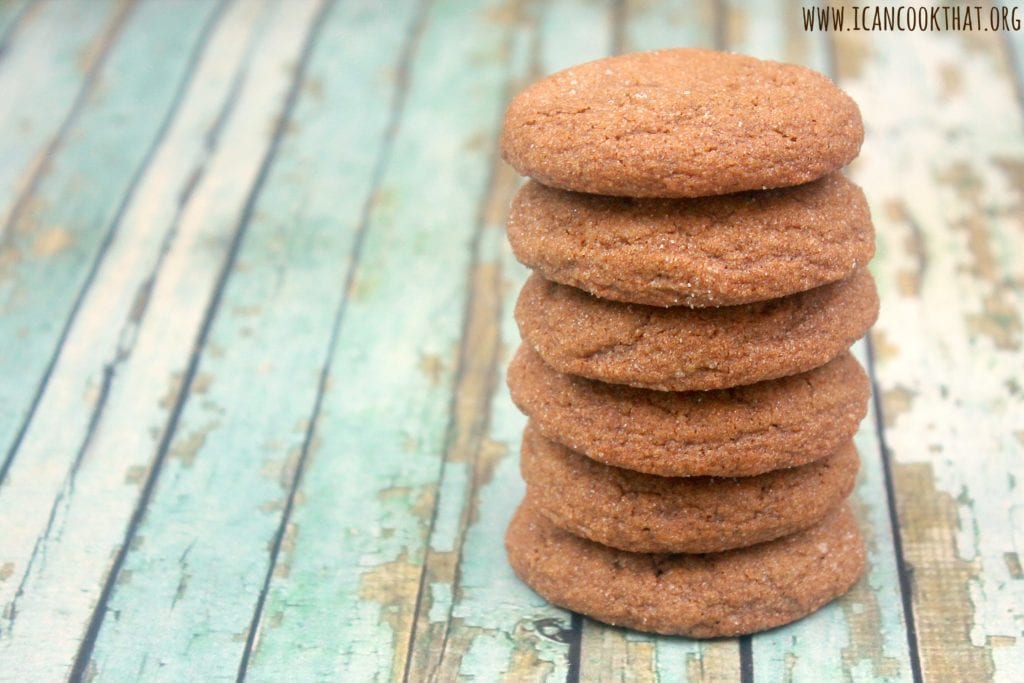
x: 255, y: 310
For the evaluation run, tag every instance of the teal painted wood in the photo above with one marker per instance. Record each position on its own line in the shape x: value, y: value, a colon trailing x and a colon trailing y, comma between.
x: 656, y: 25
x: 11, y: 12
x: 78, y: 206
x: 269, y: 341
x: 231, y: 114
x: 42, y: 45
x: 381, y: 529
x: 351, y: 562
x: 944, y: 169
x: 48, y: 57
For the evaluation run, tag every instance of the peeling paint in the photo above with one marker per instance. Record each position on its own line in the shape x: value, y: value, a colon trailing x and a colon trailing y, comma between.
x: 608, y: 652
x: 864, y: 618
x: 897, y: 401
x: 284, y: 558
x: 169, y: 398
x: 941, y: 579
x: 201, y: 383
x: 51, y: 241
x: 1013, y: 565
x: 432, y: 367
x: 186, y: 449
x: 885, y: 349
x: 136, y: 474
x: 394, y: 585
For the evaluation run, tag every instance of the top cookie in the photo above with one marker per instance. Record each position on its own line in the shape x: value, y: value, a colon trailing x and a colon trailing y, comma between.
x: 680, y: 123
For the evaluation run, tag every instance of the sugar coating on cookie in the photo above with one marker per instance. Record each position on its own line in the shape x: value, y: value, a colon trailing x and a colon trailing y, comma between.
x: 680, y: 123
x: 651, y: 514
x: 719, y: 594
x: 683, y: 349
x: 712, y: 251
x: 735, y: 432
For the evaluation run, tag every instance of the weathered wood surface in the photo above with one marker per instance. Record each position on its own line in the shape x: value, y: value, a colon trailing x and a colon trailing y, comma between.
x: 255, y: 309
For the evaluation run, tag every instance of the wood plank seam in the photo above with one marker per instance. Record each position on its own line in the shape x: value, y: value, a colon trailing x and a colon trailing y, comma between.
x: 1015, y: 66
x: 111, y: 368
x: 123, y: 350
x: 84, y: 655
x: 108, y: 40
x: 575, y: 655
x: 721, y: 25
x: 48, y: 534
x: 619, y: 19
x: 483, y: 409
x: 903, y: 575
x: 401, y: 83
x: 85, y: 650
x: 746, y: 659
x: 15, y: 26
x: 902, y: 571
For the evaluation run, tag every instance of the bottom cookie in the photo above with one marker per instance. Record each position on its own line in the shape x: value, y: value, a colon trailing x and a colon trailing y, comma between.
x: 704, y: 596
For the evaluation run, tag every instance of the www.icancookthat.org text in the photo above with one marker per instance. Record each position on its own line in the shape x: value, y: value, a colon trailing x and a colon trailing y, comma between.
x: 912, y: 18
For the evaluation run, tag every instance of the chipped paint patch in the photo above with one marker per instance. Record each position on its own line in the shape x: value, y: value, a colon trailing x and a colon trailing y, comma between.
x: 201, y: 383
x: 941, y: 579
x: 393, y: 586
x: 607, y: 650
x: 440, y: 601
x: 173, y: 389
x: 451, y: 503
x: 714, y: 662
x: 896, y: 402
x: 284, y: 559
x: 885, y: 349
x: 864, y: 617
x: 1013, y: 566
x: 432, y: 367
x: 136, y: 474
x: 52, y: 241
x: 186, y: 449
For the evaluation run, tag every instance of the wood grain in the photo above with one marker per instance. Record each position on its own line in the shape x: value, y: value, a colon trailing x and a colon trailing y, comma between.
x: 48, y: 492
x: 367, y: 495
x: 943, y: 171
x: 255, y: 313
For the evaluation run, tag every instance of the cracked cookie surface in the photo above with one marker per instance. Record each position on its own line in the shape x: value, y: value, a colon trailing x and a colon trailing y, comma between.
x: 741, y: 431
x: 683, y: 349
x: 705, y: 596
x: 651, y: 514
x: 680, y: 123
x: 712, y: 251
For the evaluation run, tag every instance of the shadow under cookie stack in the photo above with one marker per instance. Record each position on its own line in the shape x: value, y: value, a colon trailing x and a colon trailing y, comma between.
x: 700, y: 274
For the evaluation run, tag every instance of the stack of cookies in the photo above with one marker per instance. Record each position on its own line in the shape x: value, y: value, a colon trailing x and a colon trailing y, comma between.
x: 699, y: 278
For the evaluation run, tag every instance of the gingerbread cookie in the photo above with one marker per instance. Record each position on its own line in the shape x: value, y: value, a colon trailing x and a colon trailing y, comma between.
x: 705, y: 596
x: 681, y: 348
x: 714, y: 251
x: 680, y: 123
x: 650, y: 514
x: 734, y: 432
